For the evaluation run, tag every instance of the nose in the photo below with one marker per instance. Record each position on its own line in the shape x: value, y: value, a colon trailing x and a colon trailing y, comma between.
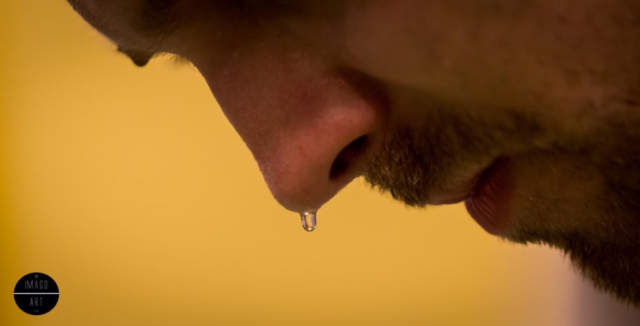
x: 310, y: 130
x: 306, y: 162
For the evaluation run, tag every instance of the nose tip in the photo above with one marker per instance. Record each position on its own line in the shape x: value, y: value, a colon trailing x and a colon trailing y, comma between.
x: 311, y: 164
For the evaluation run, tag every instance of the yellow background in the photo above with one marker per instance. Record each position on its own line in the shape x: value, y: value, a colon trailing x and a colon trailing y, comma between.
x: 132, y: 191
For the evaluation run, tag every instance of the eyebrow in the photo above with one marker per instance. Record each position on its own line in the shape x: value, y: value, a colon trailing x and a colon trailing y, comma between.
x: 157, y: 18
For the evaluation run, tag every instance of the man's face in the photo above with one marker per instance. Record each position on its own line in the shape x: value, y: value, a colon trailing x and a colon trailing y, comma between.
x: 528, y: 111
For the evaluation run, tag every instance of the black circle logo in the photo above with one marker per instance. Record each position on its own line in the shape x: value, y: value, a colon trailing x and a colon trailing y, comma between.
x: 36, y: 293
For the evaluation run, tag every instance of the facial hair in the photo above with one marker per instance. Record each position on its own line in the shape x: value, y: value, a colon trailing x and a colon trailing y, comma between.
x: 599, y: 228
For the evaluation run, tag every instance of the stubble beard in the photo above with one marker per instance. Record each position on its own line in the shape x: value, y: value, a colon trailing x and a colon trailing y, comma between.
x: 599, y: 229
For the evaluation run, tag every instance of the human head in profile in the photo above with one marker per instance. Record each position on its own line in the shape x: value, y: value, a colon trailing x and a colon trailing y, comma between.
x: 526, y: 111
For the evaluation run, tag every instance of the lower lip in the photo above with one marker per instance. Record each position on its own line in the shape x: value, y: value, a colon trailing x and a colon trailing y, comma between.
x: 489, y: 202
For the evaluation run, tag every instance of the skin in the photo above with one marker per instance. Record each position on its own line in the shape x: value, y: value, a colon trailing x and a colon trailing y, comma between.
x: 419, y: 96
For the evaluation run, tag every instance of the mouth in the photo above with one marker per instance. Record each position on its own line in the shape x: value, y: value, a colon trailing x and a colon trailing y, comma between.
x: 487, y: 197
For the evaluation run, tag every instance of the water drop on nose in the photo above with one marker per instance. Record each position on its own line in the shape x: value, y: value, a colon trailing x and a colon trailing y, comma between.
x: 308, y: 220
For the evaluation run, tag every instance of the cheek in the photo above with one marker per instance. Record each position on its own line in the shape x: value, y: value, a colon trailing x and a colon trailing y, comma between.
x: 469, y: 60
x: 387, y: 42
x: 436, y: 52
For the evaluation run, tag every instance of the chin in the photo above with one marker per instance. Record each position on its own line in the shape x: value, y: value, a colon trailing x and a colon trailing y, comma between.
x: 608, y: 256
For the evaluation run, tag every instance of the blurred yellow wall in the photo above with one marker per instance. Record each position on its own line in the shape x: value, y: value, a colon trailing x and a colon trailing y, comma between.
x: 132, y: 191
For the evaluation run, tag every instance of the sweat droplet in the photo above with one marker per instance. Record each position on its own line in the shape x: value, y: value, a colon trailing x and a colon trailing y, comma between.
x: 308, y: 220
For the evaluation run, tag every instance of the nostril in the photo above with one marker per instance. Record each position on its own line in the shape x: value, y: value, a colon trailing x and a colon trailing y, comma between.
x: 348, y: 157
